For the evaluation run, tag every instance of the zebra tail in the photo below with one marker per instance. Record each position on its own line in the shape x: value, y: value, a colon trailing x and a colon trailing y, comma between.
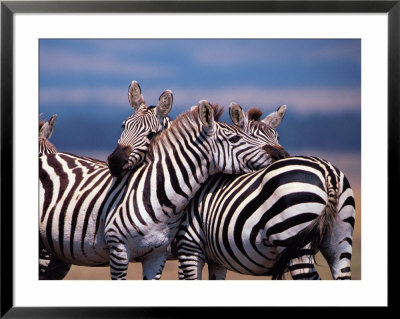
x: 312, y: 235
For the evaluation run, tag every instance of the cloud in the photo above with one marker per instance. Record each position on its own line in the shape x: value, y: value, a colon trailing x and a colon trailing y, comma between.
x: 299, y: 99
x: 231, y: 53
x: 351, y: 52
x: 108, y: 96
x: 308, y: 99
x: 103, y: 62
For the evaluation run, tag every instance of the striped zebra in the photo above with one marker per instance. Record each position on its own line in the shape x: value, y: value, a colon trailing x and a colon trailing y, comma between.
x: 268, y: 221
x: 76, y: 192
x: 46, y: 129
x: 179, y: 161
x: 139, y: 130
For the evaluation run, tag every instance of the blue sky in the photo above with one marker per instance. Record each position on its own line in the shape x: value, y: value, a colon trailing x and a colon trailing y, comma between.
x: 86, y: 81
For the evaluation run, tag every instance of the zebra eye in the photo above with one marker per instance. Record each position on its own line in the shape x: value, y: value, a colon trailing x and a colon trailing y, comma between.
x: 235, y: 139
x: 151, y: 135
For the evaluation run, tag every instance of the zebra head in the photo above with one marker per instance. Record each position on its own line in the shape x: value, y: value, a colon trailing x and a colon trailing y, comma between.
x: 138, y: 130
x: 234, y: 150
x: 264, y: 130
x: 46, y: 129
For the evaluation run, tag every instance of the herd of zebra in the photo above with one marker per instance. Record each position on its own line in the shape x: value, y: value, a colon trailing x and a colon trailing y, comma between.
x: 196, y: 190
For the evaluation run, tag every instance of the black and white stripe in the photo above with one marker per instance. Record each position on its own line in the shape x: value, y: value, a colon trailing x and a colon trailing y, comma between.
x: 265, y: 222
x: 143, y: 224
x: 138, y: 130
x: 46, y: 129
x: 76, y: 192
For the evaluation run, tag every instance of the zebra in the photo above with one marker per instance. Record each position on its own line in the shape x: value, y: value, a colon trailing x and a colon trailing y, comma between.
x: 134, y: 141
x: 264, y: 222
x: 77, y: 191
x: 144, y: 223
x: 46, y: 129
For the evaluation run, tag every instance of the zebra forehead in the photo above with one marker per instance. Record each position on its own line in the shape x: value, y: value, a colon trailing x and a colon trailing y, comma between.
x: 230, y: 127
x: 142, y: 114
x: 261, y: 126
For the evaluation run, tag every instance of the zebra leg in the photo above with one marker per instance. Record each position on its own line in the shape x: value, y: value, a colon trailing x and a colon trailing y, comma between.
x: 302, y: 267
x: 337, y: 243
x: 44, y: 260
x: 119, y: 261
x: 55, y: 270
x: 216, y: 272
x: 153, y: 266
x: 191, y: 256
x: 191, y: 266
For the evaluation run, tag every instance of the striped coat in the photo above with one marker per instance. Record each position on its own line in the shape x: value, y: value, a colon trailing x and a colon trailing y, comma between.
x: 76, y: 192
x: 265, y: 222
x: 143, y: 224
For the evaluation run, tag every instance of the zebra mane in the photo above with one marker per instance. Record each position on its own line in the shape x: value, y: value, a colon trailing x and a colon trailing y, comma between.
x: 254, y: 114
x: 187, y: 119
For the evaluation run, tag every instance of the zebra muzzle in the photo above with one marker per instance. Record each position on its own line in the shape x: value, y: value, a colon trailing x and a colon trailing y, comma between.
x: 276, y: 152
x: 118, y: 161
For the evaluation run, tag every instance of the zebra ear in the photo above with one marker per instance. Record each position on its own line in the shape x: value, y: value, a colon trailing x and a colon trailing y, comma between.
x: 164, y: 104
x: 135, y: 96
x: 206, y: 115
x: 275, y: 118
x: 47, y: 129
x: 237, y: 115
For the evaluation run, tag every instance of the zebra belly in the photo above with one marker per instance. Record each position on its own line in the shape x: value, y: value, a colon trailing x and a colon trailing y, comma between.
x: 72, y: 192
x: 91, y: 252
x: 74, y: 236
x: 156, y: 240
x: 249, y: 256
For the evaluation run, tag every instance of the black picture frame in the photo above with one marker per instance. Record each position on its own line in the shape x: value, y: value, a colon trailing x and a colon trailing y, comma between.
x: 9, y: 8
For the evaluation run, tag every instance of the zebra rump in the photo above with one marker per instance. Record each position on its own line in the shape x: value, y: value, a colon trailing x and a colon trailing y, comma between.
x: 313, y: 234
x: 269, y: 221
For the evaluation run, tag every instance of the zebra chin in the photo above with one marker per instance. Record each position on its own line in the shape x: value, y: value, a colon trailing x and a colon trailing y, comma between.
x: 118, y: 161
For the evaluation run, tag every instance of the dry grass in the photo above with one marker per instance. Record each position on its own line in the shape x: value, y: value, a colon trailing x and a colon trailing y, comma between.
x: 171, y: 269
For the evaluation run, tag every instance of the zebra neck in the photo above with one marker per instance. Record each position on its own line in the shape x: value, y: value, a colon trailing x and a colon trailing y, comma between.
x: 176, y: 182
x: 179, y: 161
x: 167, y: 183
